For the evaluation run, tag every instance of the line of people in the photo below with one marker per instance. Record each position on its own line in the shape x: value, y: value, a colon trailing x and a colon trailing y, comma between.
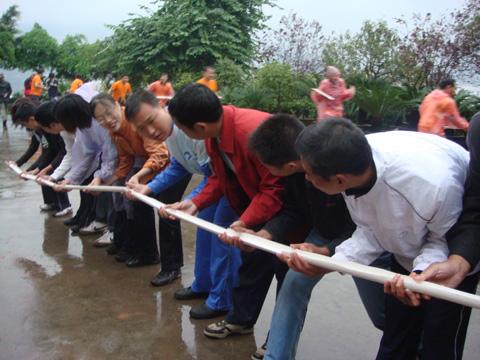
x: 389, y: 199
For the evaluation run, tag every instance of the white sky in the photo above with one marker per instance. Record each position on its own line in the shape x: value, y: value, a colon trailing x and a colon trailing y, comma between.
x: 89, y: 17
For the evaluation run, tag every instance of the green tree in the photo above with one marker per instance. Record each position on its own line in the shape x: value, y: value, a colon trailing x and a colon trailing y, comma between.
x: 8, y: 30
x: 186, y: 35
x: 373, y: 52
x: 279, y: 80
x: 76, y: 56
x: 36, y: 48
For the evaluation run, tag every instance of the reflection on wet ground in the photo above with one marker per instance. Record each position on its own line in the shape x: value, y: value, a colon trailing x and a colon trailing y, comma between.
x: 61, y: 298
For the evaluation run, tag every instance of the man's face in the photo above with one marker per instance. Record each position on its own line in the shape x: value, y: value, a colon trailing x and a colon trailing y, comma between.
x: 163, y: 79
x: 125, y: 79
x: 30, y: 123
x: 209, y: 74
x: 153, y: 122
x: 331, y: 186
x: 450, y: 90
x: 2, y: 77
x: 108, y: 116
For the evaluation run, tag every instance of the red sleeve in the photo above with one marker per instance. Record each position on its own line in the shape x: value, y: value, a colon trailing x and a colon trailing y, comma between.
x: 210, y: 194
x: 453, y: 115
x: 267, y: 202
x: 346, y: 93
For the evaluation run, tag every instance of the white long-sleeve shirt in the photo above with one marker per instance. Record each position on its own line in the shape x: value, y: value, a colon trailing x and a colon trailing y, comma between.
x: 64, y: 167
x: 415, y: 200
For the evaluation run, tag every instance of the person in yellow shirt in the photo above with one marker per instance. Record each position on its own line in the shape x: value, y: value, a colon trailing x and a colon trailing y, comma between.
x: 36, y: 87
x: 121, y: 89
x: 208, y: 79
x: 76, y: 84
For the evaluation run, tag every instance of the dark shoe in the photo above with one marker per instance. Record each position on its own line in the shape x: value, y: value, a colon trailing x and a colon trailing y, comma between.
x: 165, y: 277
x: 123, y: 256
x: 204, y: 312
x: 188, y: 294
x: 70, y: 222
x: 112, y: 249
x: 138, y: 262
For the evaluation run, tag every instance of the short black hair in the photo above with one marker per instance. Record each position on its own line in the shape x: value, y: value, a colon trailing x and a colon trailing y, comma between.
x: 101, y: 99
x: 22, y: 109
x: 195, y: 103
x: 45, y: 114
x: 446, y: 82
x: 73, y: 112
x: 334, y: 146
x: 134, y: 101
x: 274, y: 140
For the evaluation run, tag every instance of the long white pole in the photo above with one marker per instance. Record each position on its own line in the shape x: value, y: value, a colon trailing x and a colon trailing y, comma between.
x: 344, y: 267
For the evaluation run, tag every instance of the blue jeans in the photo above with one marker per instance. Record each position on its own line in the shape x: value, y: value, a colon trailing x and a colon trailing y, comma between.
x: 216, y: 264
x: 292, y: 303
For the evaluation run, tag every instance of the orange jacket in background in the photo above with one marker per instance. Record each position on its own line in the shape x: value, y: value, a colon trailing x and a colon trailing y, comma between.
x: 331, y: 108
x: 211, y: 84
x: 36, y: 80
x: 75, y: 85
x: 119, y: 90
x: 130, y: 145
x: 160, y: 89
x: 438, y: 110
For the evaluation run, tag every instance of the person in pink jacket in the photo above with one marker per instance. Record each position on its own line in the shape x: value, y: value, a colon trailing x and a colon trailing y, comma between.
x: 334, y: 87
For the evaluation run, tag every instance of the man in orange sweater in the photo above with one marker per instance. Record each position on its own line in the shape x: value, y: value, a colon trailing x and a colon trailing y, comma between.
x: 208, y: 79
x: 439, y: 110
x: 121, y: 89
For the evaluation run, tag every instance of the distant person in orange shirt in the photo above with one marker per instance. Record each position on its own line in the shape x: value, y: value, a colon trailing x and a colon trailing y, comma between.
x: 36, y: 87
x: 120, y: 90
x: 334, y: 87
x: 439, y: 110
x: 162, y: 87
x: 76, y: 83
x: 208, y: 79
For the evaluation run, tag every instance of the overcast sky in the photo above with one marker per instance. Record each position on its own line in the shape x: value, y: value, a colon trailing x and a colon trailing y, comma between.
x: 89, y: 17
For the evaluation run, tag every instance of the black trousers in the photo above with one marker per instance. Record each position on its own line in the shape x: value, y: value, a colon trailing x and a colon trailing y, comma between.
x: 170, y: 232
x: 440, y: 325
x: 86, y: 211
x: 255, y: 276
x: 143, y: 241
x: 58, y: 199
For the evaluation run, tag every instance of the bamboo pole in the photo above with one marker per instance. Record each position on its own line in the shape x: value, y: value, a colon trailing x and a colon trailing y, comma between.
x: 345, y: 267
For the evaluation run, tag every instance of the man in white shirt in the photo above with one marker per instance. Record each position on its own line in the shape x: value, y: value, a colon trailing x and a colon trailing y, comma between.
x: 404, y: 192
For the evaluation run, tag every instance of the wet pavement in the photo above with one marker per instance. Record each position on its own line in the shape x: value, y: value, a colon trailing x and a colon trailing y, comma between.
x: 61, y: 298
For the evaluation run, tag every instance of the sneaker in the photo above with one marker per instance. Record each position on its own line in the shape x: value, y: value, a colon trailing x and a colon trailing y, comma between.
x: 47, y: 207
x: 64, y: 212
x: 104, y: 240
x: 94, y: 227
x: 222, y: 329
x: 260, y: 353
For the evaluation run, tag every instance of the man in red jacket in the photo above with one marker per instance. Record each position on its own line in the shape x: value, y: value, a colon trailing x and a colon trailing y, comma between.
x: 252, y: 191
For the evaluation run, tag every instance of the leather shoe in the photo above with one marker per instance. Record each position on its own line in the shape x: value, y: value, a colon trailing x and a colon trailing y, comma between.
x: 112, y: 249
x: 165, y: 277
x: 204, y: 312
x: 188, y: 294
x: 138, y: 262
x: 123, y: 256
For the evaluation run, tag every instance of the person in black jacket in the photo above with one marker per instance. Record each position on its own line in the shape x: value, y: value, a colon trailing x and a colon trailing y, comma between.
x: 328, y: 222
x: 53, y: 151
x: 5, y: 92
